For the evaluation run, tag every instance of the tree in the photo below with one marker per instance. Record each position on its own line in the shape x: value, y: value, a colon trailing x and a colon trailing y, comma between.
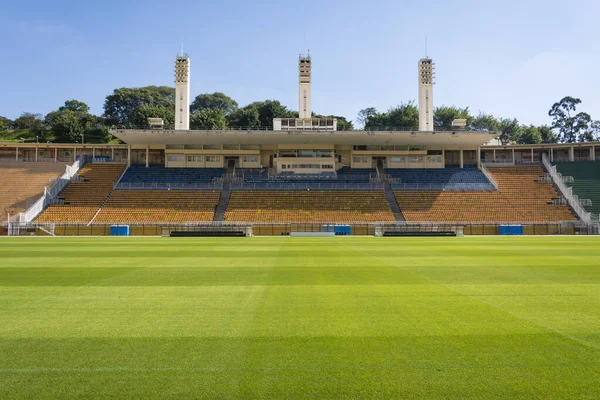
x: 214, y: 101
x: 29, y: 121
x: 592, y: 134
x: 72, y: 120
x: 485, y: 122
x: 5, y: 123
x: 443, y: 116
x: 510, y: 129
x: 259, y: 114
x: 402, y: 117
x: 120, y: 107
x: 365, y: 114
x: 548, y: 135
x: 145, y: 111
x: 529, y: 135
x: 75, y: 105
x: 209, y: 119
x: 569, y: 124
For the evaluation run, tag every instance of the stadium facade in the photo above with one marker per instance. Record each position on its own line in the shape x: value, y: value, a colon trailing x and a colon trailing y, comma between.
x: 255, y: 174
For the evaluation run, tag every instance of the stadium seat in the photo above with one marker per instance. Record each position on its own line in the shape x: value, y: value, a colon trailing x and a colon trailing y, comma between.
x: 520, y: 198
x: 280, y: 206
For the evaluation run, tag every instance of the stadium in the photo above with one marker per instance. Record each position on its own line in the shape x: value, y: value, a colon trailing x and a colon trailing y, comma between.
x: 300, y: 261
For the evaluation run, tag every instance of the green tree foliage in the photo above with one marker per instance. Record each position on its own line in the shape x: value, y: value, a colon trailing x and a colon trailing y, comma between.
x: 145, y: 111
x: 75, y: 105
x: 444, y: 115
x: 121, y: 105
x: 214, y: 101
x: 5, y: 123
x: 365, y: 114
x: 510, y: 129
x: 592, y: 133
x: 570, y: 125
x: 548, y: 135
x: 260, y: 114
x: 529, y: 135
x: 485, y: 122
x: 404, y: 116
x: 72, y: 120
x: 29, y: 121
x: 207, y: 118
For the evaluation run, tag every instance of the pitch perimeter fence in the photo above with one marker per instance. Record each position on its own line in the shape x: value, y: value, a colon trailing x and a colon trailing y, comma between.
x: 286, y: 229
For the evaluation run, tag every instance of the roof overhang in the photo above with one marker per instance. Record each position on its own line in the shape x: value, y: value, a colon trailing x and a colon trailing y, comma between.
x: 191, y: 137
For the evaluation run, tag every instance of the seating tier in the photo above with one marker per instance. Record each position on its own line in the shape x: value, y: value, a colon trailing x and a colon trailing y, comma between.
x: 308, y: 206
x: 83, y: 199
x: 159, y: 206
x: 520, y: 198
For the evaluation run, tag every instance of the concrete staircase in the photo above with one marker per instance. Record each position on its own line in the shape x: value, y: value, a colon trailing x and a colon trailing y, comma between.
x: 223, y: 201
x: 389, y: 195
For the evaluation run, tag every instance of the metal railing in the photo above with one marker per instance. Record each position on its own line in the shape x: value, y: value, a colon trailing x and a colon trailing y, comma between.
x: 457, y: 187
x: 169, y: 186
x: 412, y: 129
x: 307, y: 186
x: 566, y: 191
x: 49, y: 194
x: 489, y: 176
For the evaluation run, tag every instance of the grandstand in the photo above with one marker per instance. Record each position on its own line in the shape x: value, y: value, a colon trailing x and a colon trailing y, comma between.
x: 23, y: 183
x: 586, y: 181
x: 283, y: 206
x: 520, y: 198
x: 159, y: 206
x: 82, y: 199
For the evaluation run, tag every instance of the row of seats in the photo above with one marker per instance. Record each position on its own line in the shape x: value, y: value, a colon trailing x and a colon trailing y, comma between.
x: 159, y: 174
x: 23, y: 183
x: 520, y: 198
x: 449, y: 178
x: 308, y: 206
x: 586, y: 183
x: 159, y: 206
x: 82, y: 200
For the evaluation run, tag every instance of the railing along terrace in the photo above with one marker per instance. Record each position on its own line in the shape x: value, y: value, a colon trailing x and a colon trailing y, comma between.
x: 307, y: 186
x: 457, y: 187
x: 316, y: 128
x: 169, y: 186
x: 566, y: 191
x: 50, y: 194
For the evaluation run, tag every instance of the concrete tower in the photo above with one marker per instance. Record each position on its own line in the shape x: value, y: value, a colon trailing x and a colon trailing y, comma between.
x: 304, y: 72
x: 426, y: 75
x: 182, y: 92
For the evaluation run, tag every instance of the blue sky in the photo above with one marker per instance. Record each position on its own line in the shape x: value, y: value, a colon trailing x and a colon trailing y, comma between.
x: 509, y: 58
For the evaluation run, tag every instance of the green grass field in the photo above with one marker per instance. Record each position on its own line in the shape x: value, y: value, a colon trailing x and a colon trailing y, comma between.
x: 469, y: 318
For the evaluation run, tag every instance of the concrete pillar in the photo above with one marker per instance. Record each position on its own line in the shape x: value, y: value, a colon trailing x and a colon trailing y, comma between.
x: 593, y: 153
x: 129, y: 156
x: 93, y: 152
x: 36, y: 154
x: 494, y: 154
x: 532, y: 154
x: 112, y: 154
x: 571, y: 153
x: 56, y: 154
x: 74, y: 154
x: 551, y: 154
x: 17, y: 154
x: 513, y: 155
x: 461, y: 158
x: 147, y: 156
x: 478, y: 156
x: 443, y: 158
